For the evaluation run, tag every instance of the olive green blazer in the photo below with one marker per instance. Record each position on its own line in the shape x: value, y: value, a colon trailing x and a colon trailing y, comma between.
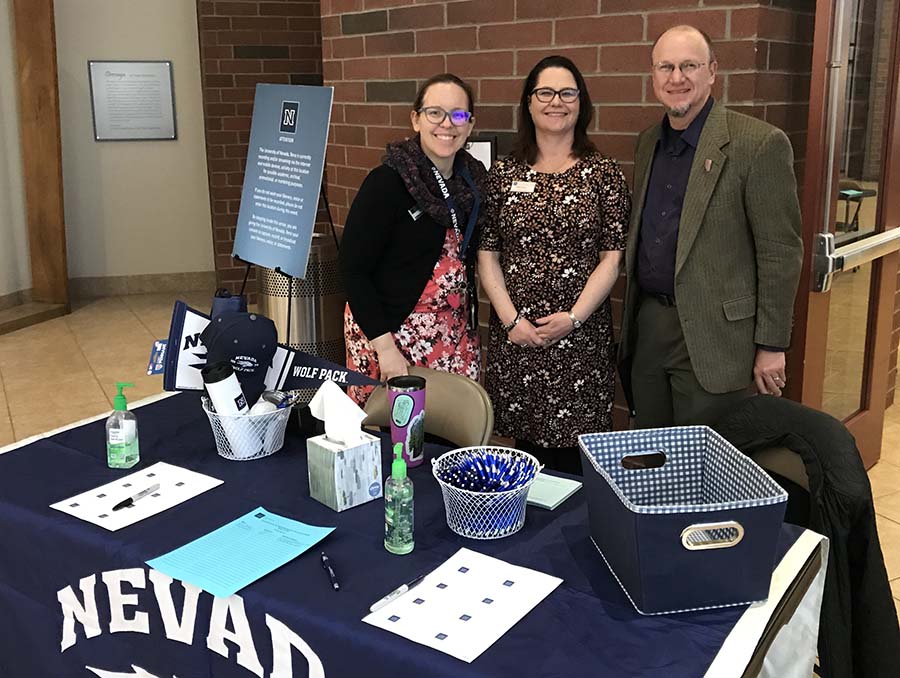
x: 739, y: 252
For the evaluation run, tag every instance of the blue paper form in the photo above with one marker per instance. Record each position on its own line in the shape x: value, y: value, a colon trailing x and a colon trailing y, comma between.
x: 237, y: 554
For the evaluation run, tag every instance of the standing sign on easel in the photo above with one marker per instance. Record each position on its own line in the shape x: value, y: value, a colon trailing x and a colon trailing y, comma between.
x: 285, y: 162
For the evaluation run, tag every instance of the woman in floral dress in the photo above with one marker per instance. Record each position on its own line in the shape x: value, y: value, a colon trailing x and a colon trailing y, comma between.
x: 408, y: 252
x: 549, y: 256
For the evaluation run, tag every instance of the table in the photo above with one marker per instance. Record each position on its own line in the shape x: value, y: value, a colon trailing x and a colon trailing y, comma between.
x: 291, y: 622
x: 855, y: 194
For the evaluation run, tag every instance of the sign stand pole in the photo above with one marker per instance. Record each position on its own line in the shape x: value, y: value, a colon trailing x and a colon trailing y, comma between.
x: 246, y: 274
x: 290, y: 281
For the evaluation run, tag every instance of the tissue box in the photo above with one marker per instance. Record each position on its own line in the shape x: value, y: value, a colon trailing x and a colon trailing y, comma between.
x: 342, y: 476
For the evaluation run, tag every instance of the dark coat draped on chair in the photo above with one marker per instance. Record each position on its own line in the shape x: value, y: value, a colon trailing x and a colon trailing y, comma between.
x: 858, y: 631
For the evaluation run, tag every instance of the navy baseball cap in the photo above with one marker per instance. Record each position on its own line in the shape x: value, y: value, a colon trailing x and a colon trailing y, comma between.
x: 248, y: 341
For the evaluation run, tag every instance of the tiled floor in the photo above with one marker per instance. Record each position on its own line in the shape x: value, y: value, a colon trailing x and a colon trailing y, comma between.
x: 65, y: 369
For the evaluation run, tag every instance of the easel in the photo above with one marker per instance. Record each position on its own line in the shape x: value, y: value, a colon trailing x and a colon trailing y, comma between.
x: 290, y: 278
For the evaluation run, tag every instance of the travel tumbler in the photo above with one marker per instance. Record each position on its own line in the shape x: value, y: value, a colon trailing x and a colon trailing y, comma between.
x: 224, y: 388
x: 231, y: 407
x: 406, y: 395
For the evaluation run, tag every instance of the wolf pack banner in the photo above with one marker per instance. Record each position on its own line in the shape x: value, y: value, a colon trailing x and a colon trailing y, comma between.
x: 285, y: 161
x: 185, y: 356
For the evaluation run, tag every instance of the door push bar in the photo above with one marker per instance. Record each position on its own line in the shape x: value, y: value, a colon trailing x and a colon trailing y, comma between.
x: 829, y: 260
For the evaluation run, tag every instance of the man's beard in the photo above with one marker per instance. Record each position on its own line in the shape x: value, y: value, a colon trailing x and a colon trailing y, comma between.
x: 679, y: 111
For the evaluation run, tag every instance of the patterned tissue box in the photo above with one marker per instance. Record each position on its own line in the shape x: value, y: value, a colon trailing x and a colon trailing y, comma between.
x: 342, y: 476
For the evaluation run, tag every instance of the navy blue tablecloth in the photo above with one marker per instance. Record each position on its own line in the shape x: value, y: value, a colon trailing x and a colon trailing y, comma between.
x: 585, y: 628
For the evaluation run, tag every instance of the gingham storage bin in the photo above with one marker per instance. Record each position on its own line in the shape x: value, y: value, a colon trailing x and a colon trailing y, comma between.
x: 698, y: 532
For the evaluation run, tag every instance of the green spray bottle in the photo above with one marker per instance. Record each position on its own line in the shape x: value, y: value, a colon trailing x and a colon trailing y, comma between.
x: 398, y: 507
x: 122, y: 433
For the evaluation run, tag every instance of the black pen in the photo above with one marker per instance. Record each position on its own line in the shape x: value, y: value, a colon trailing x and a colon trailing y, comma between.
x: 326, y: 565
x: 396, y: 593
x: 140, y: 495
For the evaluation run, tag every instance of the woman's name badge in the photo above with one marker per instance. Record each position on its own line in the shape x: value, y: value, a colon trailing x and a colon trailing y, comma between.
x: 522, y: 187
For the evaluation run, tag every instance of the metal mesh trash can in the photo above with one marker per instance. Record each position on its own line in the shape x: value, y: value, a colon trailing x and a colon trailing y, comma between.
x: 317, y: 305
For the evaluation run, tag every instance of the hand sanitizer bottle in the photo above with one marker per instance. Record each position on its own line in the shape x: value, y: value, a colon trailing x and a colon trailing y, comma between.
x: 121, y: 433
x: 398, y: 507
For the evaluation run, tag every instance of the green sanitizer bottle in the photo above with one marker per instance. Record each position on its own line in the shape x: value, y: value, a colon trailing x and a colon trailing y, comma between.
x: 122, y: 433
x: 398, y: 507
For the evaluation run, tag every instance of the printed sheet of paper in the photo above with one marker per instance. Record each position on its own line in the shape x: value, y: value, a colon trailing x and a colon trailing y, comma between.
x: 465, y: 605
x: 240, y: 552
x: 176, y: 485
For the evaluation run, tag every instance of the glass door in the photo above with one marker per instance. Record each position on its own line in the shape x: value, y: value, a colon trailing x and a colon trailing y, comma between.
x: 851, y: 191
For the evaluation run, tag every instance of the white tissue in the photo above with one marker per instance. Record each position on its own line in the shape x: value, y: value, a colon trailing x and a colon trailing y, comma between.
x: 343, y: 417
x: 262, y: 407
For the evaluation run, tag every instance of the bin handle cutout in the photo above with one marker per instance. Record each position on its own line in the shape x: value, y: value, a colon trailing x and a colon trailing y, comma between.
x: 643, y: 460
x: 705, y: 536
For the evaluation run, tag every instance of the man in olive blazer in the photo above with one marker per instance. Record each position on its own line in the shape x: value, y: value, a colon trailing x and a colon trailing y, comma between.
x: 714, y: 251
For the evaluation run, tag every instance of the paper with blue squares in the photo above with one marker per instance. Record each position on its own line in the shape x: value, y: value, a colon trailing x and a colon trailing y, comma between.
x: 465, y: 605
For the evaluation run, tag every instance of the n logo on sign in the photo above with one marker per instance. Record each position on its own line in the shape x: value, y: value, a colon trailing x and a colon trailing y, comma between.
x: 289, y: 114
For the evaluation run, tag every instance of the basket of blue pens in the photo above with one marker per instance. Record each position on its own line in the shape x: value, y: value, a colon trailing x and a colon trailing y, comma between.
x: 485, y: 489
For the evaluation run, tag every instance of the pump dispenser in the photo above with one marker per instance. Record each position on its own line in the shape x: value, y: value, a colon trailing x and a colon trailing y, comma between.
x: 121, y: 433
x: 398, y: 507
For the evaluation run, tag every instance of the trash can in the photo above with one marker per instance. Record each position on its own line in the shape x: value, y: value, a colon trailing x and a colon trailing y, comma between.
x: 317, y: 305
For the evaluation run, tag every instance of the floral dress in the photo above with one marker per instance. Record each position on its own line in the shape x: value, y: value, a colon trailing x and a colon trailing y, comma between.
x: 550, y: 242
x: 434, y: 335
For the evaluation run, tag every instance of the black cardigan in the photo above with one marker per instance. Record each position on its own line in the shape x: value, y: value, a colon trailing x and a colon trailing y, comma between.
x: 387, y: 258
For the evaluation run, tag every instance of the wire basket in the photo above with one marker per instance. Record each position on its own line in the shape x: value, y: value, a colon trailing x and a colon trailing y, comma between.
x: 248, y: 436
x: 485, y: 514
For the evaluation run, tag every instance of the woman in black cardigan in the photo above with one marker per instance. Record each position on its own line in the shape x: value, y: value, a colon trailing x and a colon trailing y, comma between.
x: 408, y: 251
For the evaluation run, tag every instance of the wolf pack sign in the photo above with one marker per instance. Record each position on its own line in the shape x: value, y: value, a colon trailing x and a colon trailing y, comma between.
x: 289, y: 369
x: 145, y: 601
x: 285, y: 160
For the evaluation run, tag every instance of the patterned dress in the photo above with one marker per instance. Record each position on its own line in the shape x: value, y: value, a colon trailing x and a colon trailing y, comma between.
x: 550, y: 242
x: 434, y: 335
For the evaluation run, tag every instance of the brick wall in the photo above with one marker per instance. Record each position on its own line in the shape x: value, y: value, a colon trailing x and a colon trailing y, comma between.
x: 873, y: 161
x: 862, y: 109
x: 242, y: 43
x: 895, y: 340
x: 376, y: 53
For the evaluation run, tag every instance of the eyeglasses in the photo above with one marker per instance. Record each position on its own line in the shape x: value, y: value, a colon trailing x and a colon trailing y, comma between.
x: 568, y: 95
x: 436, y: 115
x: 687, y: 68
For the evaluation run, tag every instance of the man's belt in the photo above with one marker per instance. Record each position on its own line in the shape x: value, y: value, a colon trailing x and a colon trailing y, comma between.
x: 664, y: 299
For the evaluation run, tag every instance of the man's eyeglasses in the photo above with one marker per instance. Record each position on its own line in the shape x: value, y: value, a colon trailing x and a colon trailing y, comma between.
x: 568, y: 95
x: 436, y: 115
x: 687, y: 68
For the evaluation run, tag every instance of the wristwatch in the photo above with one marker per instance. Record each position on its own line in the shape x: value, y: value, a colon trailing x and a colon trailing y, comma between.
x: 576, y: 323
x: 515, y: 321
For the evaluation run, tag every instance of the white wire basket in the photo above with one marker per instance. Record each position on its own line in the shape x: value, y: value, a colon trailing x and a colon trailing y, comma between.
x: 248, y: 436
x: 484, y: 514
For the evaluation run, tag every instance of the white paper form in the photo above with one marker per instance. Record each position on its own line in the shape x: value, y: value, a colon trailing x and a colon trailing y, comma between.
x: 465, y: 605
x: 176, y: 485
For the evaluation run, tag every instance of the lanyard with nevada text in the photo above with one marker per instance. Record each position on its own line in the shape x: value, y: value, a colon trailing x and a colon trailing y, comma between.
x: 472, y: 320
x: 463, y: 171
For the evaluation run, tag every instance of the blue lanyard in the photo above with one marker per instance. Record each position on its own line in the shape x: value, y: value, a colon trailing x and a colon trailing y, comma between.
x: 451, y: 203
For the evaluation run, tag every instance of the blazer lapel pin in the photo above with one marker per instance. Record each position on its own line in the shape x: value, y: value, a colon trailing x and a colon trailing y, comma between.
x: 707, y: 165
